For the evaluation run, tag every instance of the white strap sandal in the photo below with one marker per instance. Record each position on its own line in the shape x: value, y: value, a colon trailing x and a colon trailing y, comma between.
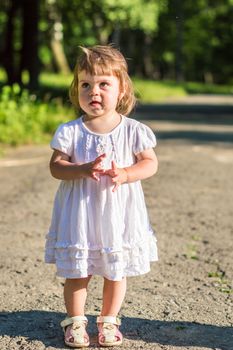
x: 109, y: 334
x: 75, y: 331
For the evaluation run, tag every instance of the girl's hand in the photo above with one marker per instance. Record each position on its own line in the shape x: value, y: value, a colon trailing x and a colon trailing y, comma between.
x: 95, y: 168
x: 62, y: 168
x: 118, y: 175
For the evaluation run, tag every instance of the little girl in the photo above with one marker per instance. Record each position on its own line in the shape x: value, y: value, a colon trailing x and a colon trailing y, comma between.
x: 100, y: 224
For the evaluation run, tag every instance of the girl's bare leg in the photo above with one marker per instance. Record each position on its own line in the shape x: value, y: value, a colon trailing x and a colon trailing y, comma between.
x: 113, y: 296
x: 75, y: 294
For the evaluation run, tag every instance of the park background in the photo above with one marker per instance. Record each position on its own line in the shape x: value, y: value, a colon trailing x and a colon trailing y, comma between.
x: 174, y: 48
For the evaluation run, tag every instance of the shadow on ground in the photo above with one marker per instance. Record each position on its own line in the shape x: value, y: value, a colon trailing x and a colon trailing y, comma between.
x: 192, y: 117
x: 195, y: 136
x: 180, y: 112
x: 44, y: 326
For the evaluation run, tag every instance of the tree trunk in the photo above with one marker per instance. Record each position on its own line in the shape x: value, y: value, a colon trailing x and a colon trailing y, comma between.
x: 100, y: 28
x: 29, y: 53
x: 208, y: 77
x: 179, y: 40
x: 148, y: 65
x: 27, y: 59
x: 9, y: 62
x: 57, y: 49
x: 57, y: 38
x: 116, y: 35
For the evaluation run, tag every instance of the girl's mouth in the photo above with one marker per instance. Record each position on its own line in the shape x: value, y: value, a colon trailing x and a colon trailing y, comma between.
x: 95, y: 104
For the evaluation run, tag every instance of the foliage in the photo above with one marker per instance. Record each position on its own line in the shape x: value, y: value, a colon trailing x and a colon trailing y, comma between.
x: 142, y: 15
x: 24, y: 119
x: 164, y: 39
x: 198, y: 37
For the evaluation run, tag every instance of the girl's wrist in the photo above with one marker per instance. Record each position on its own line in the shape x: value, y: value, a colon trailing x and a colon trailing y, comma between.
x: 126, y: 175
x: 85, y: 170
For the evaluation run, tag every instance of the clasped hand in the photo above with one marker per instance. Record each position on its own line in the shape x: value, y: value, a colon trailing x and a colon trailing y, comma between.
x: 95, y: 169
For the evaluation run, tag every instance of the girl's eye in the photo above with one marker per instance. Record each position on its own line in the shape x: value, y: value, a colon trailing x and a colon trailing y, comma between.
x: 84, y: 85
x: 104, y: 84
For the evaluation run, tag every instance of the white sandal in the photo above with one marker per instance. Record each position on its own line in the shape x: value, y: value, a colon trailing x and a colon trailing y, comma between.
x: 109, y: 334
x: 75, y: 331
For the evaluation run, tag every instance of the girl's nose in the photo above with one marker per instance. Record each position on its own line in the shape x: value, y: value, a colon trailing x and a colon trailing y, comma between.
x: 94, y: 90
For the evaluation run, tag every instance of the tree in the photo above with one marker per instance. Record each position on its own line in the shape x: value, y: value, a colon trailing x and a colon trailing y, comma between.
x: 193, y: 41
x: 56, y: 37
x: 20, y: 50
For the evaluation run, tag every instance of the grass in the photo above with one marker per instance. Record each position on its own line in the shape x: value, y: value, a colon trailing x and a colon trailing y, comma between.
x: 191, y: 252
x: 147, y: 91
x: 212, y: 89
x: 223, y: 285
x: 55, y: 80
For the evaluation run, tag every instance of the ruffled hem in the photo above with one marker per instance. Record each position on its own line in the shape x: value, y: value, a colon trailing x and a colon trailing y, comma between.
x: 73, y: 262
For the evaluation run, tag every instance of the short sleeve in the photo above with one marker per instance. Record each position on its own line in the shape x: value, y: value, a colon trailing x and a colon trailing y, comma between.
x: 144, y: 138
x: 63, y: 139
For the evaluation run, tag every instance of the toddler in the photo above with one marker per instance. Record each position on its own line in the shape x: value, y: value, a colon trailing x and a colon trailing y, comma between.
x: 100, y: 223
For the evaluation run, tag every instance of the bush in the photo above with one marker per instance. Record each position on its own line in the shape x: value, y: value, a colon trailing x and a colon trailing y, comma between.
x: 24, y: 119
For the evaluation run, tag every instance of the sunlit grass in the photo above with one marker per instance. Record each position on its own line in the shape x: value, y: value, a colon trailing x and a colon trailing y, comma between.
x: 150, y: 91
x: 55, y: 80
x: 201, y: 88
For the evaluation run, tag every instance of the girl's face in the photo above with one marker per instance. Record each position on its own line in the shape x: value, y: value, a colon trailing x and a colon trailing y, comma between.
x: 98, y: 94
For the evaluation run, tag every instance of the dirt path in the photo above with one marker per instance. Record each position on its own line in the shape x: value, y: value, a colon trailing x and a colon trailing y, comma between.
x: 185, y: 302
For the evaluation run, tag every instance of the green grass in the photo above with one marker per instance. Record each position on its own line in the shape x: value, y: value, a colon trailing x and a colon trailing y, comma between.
x: 220, y: 282
x: 55, y: 80
x: 150, y: 91
x: 212, y: 89
x: 147, y: 91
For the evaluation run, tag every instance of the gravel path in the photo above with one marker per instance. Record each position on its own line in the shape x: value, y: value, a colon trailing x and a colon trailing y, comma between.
x: 185, y: 302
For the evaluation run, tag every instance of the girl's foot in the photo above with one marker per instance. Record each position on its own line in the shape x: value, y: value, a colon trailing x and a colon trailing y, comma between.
x: 75, y: 331
x: 109, y: 334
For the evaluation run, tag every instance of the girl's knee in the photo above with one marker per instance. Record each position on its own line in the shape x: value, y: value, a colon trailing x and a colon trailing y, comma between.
x: 78, y: 281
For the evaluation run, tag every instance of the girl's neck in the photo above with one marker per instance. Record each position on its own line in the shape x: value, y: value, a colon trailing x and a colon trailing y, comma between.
x: 102, y: 124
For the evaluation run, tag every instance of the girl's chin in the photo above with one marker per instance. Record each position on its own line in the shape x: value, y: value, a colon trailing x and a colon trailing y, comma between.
x: 95, y: 109
x: 93, y: 114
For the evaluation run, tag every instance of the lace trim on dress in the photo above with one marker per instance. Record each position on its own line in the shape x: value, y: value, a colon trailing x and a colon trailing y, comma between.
x: 73, y: 262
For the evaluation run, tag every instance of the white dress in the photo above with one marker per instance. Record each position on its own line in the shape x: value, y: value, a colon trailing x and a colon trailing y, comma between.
x: 95, y: 231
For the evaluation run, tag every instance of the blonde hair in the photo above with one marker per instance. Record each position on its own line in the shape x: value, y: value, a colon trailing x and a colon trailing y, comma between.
x: 105, y: 60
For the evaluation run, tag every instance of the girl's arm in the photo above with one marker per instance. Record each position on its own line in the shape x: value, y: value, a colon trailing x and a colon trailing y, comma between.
x: 146, y: 166
x: 61, y: 167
